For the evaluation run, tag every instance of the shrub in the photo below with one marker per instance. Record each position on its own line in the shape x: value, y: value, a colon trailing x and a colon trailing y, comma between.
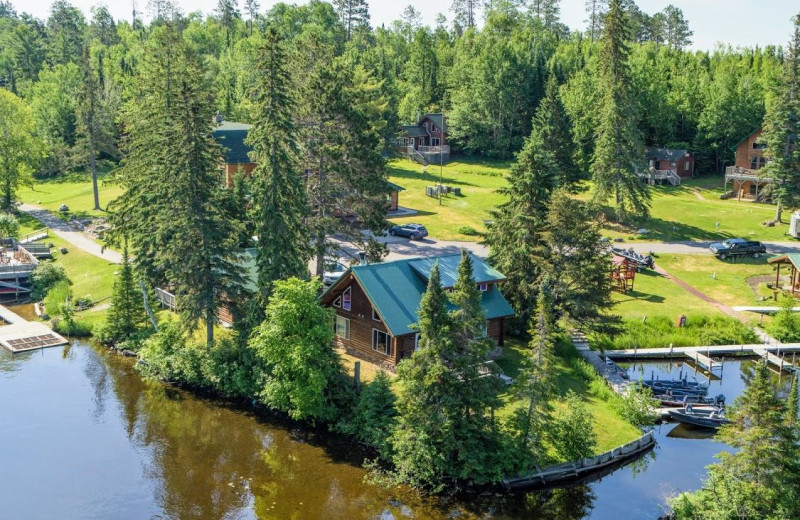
x: 44, y: 276
x: 167, y: 356
x: 469, y: 231
x: 637, y: 406
x: 374, y: 415
x: 786, y: 324
x: 572, y: 434
x: 58, y: 300
x: 72, y: 328
x: 9, y: 226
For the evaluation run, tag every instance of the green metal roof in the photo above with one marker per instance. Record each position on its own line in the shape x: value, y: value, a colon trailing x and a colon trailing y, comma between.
x: 794, y: 258
x: 395, y: 187
x: 395, y: 289
x: 231, y: 137
x: 438, y: 120
x: 414, y: 131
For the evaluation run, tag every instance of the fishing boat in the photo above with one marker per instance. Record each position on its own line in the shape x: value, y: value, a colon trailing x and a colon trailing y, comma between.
x: 701, y: 417
x: 670, y: 399
x: 676, y: 387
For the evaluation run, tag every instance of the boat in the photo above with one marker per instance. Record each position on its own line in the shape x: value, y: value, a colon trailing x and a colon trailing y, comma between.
x: 676, y: 387
x: 670, y: 399
x: 701, y: 417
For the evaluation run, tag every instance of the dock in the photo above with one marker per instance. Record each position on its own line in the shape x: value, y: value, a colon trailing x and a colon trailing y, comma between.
x: 21, y: 335
x: 777, y: 361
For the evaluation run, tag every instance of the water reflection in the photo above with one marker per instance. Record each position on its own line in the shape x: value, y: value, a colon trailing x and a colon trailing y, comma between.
x: 128, y: 448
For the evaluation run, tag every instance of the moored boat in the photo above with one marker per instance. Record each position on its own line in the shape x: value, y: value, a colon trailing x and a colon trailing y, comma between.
x: 670, y: 399
x: 701, y: 417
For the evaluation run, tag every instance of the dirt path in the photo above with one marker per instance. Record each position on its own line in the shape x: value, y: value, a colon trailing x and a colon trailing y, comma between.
x: 78, y: 239
x: 698, y: 194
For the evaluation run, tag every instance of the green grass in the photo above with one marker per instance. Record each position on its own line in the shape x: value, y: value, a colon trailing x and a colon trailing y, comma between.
x: 662, y: 331
x: 478, y: 180
x: 740, y: 281
x: 677, y: 214
x: 74, y: 190
x: 655, y: 295
x: 610, y: 428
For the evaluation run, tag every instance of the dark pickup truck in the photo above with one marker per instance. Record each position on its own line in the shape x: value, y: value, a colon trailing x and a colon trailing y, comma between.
x: 737, y: 247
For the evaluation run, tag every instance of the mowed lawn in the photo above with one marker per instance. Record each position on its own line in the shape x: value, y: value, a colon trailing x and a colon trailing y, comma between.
x: 74, y: 190
x: 478, y: 180
x: 679, y: 214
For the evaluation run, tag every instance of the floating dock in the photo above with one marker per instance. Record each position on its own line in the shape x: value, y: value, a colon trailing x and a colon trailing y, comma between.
x: 21, y: 335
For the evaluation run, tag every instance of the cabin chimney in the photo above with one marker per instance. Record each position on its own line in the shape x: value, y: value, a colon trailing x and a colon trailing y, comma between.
x: 362, y: 258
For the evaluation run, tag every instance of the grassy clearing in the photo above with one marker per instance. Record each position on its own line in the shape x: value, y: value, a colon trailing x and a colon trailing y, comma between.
x: 662, y: 331
x: 679, y: 214
x: 655, y: 295
x: 740, y: 281
x: 610, y: 428
x: 478, y: 180
x: 74, y: 190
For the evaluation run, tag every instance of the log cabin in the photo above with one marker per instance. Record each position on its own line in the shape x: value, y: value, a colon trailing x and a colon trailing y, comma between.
x: 427, y: 141
x: 679, y: 161
x: 376, y: 305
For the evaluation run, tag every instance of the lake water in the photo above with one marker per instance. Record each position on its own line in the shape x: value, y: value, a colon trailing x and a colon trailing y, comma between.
x: 84, y: 437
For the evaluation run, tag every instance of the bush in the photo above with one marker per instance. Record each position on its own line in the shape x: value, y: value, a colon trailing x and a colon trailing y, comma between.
x: 661, y: 331
x: 374, y: 415
x: 46, y: 275
x: 167, y: 356
x: 638, y: 407
x: 572, y: 434
x: 72, y: 328
x: 469, y: 231
x: 57, y: 302
x: 9, y: 226
x: 786, y: 324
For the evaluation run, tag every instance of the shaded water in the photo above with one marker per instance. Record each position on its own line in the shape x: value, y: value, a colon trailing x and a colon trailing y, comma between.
x: 83, y: 436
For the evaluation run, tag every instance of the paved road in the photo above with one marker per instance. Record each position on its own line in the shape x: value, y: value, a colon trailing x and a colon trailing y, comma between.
x: 78, y: 239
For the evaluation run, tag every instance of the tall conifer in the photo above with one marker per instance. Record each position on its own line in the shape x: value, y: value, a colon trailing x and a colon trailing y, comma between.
x: 279, y: 199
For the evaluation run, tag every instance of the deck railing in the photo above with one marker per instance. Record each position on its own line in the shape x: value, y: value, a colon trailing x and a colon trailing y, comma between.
x: 444, y: 149
x: 167, y: 299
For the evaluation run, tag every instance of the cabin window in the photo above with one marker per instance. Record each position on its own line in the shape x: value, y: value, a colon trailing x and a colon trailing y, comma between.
x: 434, y: 141
x: 346, y: 299
x: 754, y: 163
x: 759, y: 146
x: 342, y: 328
x: 672, y: 164
x: 483, y: 287
x: 416, y: 341
x: 382, y: 342
x: 686, y: 166
x: 375, y: 315
x: 762, y: 161
x: 337, y: 302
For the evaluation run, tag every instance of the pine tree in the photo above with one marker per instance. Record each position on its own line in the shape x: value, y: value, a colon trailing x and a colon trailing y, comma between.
x: 127, y: 311
x: 793, y: 405
x: 555, y: 133
x: 546, y: 11
x: 252, y: 7
x: 618, y: 144
x: 354, y: 15
x: 677, y: 32
x: 782, y: 128
x: 227, y: 12
x: 465, y: 12
x: 515, y: 233
x: 96, y: 133
x: 596, y: 12
x: 279, y: 199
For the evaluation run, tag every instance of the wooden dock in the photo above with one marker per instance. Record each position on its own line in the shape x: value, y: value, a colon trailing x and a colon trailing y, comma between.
x: 775, y: 360
x: 708, y: 351
x: 21, y: 335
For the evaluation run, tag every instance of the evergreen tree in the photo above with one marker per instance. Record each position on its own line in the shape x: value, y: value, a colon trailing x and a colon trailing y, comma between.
x: 596, y: 10
x: 618, y: 144
x: 515, y: 233
x: 279, y: 200
x: 252, y: 7
x: 127, y: 311
x: 65, y: 29
x: 546, y: 11
x: 677, y: 32
x: 572, y: 432
x: 354, y: 15
x: 465, y: 12
x: 95, y: 129
x: 762, y: 478
x: 793, y: 405
x: 227, y: 12
x: 782, y: 128
x: 555, y: 133
x: 374, y: 415
x: 300, y: 370
x: 172, y: 209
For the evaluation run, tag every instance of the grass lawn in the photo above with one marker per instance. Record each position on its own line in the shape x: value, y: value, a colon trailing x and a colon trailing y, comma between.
x: 478, y: 180
x: 678, y: 213
x: 655, y: 295
x: 610, y: 428
x: 740, y: 281
x: 74, y: 190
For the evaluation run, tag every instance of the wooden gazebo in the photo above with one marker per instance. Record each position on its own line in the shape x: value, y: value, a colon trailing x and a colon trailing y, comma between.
x: 792, y: 260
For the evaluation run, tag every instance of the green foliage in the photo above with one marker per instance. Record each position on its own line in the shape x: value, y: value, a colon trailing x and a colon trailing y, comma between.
x: 571, y: 433
x: 20, y: 148
x: 300, y: 370
x: 127, y: 313
x: 72, y: 328
x: 761, y: 479
x: 168, y: 356
x: 58, y: 300
x: 469, y: 231
x: 45, y: 276
x: 785, y: 326
x: 662, y: 331
x: 9, y: 226
x: 373, y: 419
x: 638, y: 407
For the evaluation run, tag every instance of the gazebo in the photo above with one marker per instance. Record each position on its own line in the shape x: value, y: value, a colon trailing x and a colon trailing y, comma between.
x: 793, y: 261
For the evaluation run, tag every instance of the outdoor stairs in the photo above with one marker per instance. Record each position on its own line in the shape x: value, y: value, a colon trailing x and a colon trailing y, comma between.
x: 414, y: 154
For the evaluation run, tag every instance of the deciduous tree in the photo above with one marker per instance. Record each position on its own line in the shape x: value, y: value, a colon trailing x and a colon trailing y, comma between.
x: 20, y: 149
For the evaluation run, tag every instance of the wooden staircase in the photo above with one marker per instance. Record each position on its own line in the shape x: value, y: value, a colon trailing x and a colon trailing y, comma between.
x: 414, y: 155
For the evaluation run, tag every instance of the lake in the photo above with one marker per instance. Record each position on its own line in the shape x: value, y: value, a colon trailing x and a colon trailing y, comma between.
x: 84, y: 437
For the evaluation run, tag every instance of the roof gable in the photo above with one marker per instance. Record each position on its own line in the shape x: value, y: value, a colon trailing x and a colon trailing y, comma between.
x: 396, y: 288
x: 666, y: 154
x: 437, y: 119
x: 748, y: 136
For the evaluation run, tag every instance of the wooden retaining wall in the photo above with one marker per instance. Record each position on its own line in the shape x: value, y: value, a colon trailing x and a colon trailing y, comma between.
x: 583, y: 469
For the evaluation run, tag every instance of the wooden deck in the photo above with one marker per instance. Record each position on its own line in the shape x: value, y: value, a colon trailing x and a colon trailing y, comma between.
x: 21, y: 335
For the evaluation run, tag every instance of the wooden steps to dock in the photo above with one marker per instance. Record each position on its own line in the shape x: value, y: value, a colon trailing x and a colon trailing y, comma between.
x: 21, y: 335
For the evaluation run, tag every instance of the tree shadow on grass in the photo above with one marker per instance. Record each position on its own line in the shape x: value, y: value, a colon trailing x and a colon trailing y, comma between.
x: 433, y: 178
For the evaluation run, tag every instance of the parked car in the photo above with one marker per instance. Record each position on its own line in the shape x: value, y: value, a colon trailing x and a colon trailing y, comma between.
x: 737, y: 247
x: 412, y: 231
x: 333, y: 271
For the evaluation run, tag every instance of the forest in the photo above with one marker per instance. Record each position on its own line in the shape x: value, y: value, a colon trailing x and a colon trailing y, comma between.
x: 485, y: 68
